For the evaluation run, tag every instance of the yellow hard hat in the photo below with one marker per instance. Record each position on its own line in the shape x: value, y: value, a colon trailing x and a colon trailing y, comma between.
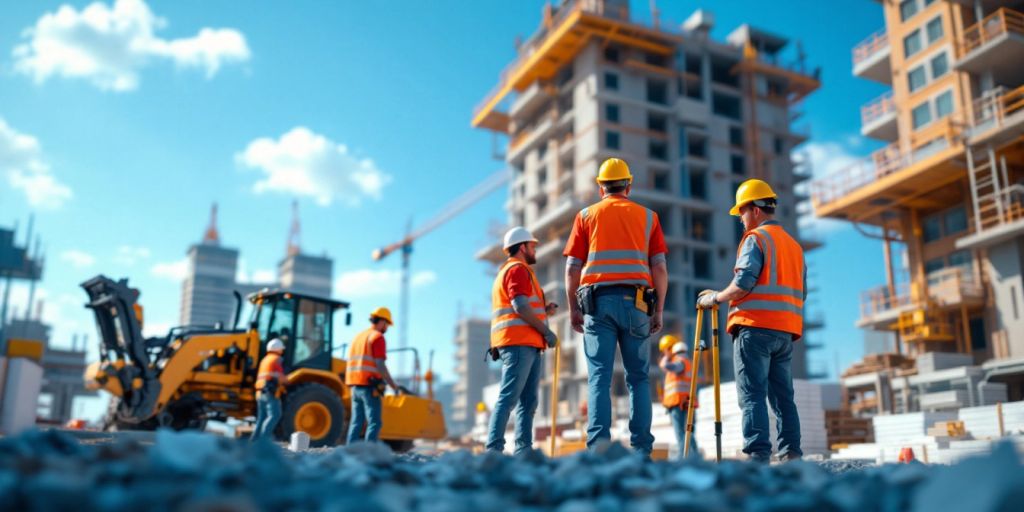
x: 749, y: 191
x: 614, y: 169
x: 382, y: 313
x: 666, y: 342
x: 481, y: 407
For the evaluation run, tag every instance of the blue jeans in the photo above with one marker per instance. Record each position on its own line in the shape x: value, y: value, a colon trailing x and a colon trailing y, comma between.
x: 762, y: 359
x: 268, y: 413
x: 678, y: 415
x: 520, y: 378
x: 365, y: 412
x: 615, y: 321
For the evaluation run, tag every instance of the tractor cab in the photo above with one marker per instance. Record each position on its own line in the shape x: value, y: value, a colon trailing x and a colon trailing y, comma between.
x: 303, y: 322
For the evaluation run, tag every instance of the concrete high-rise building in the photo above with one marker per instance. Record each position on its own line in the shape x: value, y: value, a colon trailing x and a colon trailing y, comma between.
x: 206, y: 293
x: 472, y: 337
x: 307, y: 274
x: 947, y: 188
x: 693, y: 117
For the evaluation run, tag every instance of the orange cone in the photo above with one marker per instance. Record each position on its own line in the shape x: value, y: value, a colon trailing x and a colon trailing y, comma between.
x: 906, y: 455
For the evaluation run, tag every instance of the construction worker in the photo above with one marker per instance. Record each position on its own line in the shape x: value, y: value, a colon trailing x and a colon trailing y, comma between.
x: 366, y: 375
x: 676, y: 396
x: 616, y: 279
x: 519, y: 334
x: 766, y: 299
x: 270, y: 381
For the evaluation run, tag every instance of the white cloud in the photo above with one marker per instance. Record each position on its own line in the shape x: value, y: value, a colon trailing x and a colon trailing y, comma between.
x: 304, y: 163
x: 130, y: 255
x: 262, y: 276
x: 21, y: 159
x: 369, y: 283
x: 78, y: 259
x: 825, y: 158
x: 109, y: 45
x: 173, y: 270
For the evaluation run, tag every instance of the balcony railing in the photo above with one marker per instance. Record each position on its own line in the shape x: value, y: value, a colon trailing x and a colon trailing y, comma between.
x: 870, y: 46
x: 877, y: 108
x: 948, y: 286
x: 941, y: 134
x: 993, y: 107
x: 999, y: 23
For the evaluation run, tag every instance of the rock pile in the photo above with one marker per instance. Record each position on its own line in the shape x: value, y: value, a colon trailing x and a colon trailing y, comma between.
x: 198, y: 472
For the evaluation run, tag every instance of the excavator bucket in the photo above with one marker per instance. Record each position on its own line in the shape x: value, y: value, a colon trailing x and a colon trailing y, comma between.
x: 124, y: 353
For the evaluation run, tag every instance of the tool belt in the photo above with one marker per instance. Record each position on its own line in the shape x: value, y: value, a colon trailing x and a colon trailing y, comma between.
x: 646, y: 299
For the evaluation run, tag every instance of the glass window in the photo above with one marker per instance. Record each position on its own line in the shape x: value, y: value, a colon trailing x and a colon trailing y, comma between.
x: 933, y: 265
x: 939, y: 65
x: 780, y: 146
x: 312, y: 335
x: 956, y: 220
x: 908, y: 8
x: 698, y: 184
x: 661, y: 181
x: 283, y: 322
x: 657, y: 92
x: 912, y: 43
x: 657, y: 150
x: 934, y: 29
x: 922, y: 115
x: 701, y: 264
x: 611, y: 81
x: 697, y: 147
x: 725, y: 105
x: 916, y: 78
x: 737, y: 164
x: 611, y: 113
x: 657, y: 123
x: 944, y: 105
x: 700, y: 226
x: 611, y: 54
x: 736, y: 136
x: 611, y: 139
x: 961, y: 259
x: 932, y: 228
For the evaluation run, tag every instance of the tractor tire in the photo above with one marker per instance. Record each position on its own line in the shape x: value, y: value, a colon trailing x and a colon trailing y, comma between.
x: 399, y: 445
x: 186, y: 414
x: 316, y: 410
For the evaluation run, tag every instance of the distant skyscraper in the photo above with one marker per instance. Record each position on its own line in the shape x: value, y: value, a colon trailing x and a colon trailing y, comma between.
x: 302, y: 273
x: 472, y: 337
x: 206, y: 296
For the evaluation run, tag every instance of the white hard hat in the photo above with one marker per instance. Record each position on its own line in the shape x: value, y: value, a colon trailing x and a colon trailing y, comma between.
x: 275, y: 345
x: 679, y: 347
x: 517, y: 235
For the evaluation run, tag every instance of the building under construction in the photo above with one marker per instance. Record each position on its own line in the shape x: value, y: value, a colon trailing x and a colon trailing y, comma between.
x: 692, y: 116
x: 946, y: 197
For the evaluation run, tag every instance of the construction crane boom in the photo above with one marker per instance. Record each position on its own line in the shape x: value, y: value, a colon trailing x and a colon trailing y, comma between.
x: 450, y: 211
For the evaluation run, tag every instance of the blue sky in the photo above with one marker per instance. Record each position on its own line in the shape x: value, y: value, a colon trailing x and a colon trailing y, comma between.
x: 127, y: 155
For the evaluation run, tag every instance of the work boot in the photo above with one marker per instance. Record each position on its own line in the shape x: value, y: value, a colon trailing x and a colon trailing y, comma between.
x: 760, y: 458
x: 786, y: 457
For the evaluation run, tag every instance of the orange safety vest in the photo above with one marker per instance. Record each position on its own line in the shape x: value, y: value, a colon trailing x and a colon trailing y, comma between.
x: 619, y: 233
x: 270, y: 368
x: 362, y: 366
x: 777, y: 299
x: 507, y: 327
x: 677, y: 385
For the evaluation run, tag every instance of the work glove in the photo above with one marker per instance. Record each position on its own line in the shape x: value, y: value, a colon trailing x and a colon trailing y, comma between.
x: 551, y: 338
x: 708, y: 299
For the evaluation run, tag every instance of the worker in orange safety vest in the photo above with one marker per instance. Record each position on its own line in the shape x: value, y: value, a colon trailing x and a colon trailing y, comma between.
x: 270, y: 381
x: 676, y: 392
x: 766, y: 304
x: 366, y: 375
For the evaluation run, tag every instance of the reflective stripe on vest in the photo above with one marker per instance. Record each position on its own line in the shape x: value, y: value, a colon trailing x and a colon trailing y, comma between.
x: 270, y: 368
x: 507, y: 327
x: 676, y: 390
x: 361, y: 366
x: 619, y: 236
x: 777, y: 299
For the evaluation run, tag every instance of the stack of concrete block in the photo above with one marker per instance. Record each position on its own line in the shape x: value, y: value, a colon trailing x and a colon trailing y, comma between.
x: 932, y: 361
x: 814, y: 439
x: 21, y: 380
x: 983, y: 422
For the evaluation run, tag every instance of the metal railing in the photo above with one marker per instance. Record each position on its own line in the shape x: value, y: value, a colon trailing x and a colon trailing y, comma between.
x: 876, y: 108
x: 870, y: 46
x: 1001, y: 22
x: 996, y: 105
x: 948, y: 286
x: 879, y: 300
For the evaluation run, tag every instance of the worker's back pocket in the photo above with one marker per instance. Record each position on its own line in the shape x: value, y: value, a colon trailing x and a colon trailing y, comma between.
x: 639, y: 323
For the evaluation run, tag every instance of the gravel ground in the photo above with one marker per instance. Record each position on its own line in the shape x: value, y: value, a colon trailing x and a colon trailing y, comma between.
x: 51, y: 470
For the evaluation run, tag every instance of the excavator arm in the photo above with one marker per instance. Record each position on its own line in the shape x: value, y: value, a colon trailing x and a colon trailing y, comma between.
x: 124, y: 354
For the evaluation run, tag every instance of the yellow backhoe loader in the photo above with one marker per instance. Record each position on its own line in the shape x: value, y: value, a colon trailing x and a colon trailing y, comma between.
x: 195, y: 373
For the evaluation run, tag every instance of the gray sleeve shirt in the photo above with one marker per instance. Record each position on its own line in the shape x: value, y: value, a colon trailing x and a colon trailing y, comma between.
x: 749, y: 264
